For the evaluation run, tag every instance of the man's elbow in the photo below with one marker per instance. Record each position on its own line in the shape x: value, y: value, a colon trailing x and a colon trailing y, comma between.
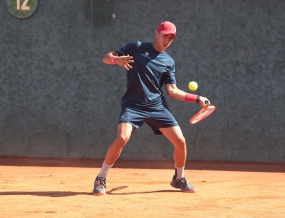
x: 170, y: 94
x: 105, y: 60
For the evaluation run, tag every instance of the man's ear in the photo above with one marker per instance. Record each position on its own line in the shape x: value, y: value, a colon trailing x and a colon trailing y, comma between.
x: 156, y: 33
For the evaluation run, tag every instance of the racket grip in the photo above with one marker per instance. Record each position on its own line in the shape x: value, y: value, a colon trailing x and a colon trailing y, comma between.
x: 206, y: 102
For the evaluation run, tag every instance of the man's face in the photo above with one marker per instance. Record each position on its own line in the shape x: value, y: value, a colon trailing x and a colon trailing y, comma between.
x: 162, y: 41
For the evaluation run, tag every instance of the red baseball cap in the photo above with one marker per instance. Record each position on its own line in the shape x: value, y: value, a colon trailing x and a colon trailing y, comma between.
x: 167, y: 27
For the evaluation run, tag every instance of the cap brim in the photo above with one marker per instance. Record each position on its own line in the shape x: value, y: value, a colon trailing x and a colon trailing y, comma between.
x: 169, y: 32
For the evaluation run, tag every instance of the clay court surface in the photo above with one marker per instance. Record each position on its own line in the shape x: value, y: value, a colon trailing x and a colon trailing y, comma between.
x: 33, y: 187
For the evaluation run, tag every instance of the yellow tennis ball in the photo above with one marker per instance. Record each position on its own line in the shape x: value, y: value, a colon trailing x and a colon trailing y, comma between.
x: 193, y: 85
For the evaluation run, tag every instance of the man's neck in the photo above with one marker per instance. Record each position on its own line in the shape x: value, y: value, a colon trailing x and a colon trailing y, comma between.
x: 156, y: 47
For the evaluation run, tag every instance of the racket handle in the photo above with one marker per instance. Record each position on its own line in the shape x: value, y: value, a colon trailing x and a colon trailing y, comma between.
x: 206, y: 102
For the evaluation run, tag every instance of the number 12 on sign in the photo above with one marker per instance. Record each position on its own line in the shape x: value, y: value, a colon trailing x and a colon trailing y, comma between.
x: 24, y: 6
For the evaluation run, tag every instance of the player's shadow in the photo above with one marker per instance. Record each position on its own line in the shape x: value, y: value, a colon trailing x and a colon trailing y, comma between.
x: 46, y: 193
x: 70, y: 193
x: 111, y: 192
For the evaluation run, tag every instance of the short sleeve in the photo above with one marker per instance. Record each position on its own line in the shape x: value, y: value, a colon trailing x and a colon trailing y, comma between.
x: 170, y: 75
x: 128, y: 49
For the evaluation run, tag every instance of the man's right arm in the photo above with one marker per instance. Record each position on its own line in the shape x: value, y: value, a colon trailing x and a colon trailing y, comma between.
x: 114, y: 58
x: 110, y: 57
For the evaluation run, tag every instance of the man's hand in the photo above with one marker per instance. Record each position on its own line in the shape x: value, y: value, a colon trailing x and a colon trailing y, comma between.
x: 204, y: 102
x: 114, y: 58
x: 124, y: 61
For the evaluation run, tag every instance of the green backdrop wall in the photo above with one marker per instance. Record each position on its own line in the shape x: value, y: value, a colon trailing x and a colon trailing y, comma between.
x: 57, y: 98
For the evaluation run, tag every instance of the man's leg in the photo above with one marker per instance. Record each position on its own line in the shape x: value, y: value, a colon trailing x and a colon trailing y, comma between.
x: 123, y: 135
x: 175, y: 136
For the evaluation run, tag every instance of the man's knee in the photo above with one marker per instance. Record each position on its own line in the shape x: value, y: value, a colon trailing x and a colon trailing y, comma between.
x: 180, y: 143
x: 122, y: 139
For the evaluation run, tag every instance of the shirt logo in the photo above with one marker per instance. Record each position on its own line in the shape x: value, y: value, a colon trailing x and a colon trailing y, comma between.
x: 146, y: 55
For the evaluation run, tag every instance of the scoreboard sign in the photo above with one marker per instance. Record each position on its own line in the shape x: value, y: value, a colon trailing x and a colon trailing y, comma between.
x: 22, y: 8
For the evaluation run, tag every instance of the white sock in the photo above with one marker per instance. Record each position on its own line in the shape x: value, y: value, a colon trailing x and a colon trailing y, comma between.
x: 104, y: 170
x: 180, y: 172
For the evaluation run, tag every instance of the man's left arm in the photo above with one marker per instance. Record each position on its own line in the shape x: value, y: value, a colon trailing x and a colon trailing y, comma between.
x: 174, y: 92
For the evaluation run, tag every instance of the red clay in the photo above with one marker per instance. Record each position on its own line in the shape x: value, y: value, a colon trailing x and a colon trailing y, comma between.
x: 34, y: 187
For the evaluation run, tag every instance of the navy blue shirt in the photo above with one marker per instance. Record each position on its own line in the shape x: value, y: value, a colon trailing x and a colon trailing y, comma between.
x: 151, y: 69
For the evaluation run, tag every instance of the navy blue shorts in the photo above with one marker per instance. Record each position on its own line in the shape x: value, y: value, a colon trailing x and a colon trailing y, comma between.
x: 160, y: 118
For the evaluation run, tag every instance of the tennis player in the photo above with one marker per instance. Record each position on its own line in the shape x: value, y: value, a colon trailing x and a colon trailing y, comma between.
x: 148, y: 68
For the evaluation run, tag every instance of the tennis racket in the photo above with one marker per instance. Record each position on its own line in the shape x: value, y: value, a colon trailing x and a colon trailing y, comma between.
x: 202, y: 114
